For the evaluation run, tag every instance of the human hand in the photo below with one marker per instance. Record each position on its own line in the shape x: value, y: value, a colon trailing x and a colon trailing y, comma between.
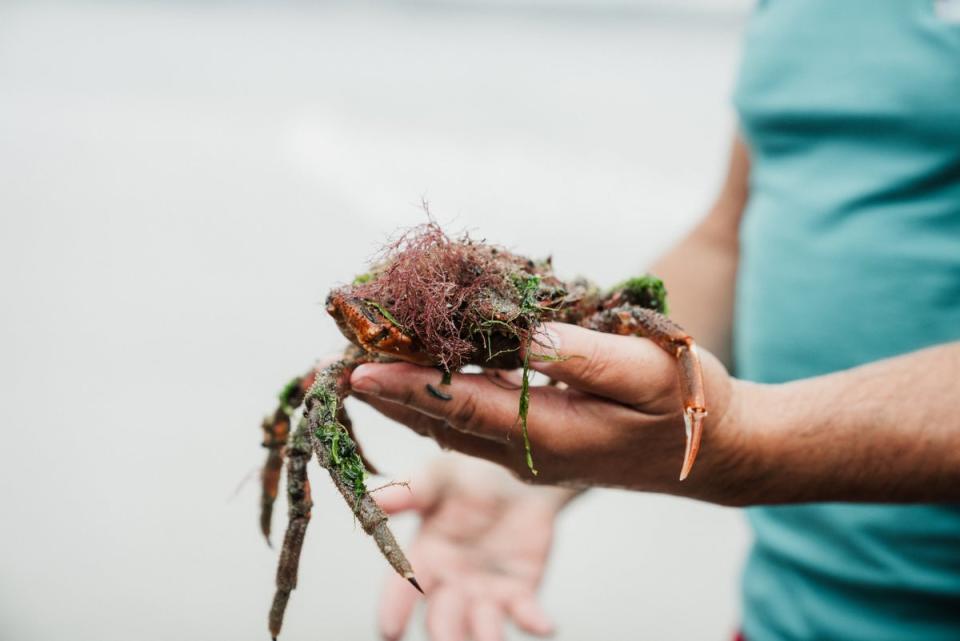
x: 479, y: 555
x: 617, y: 422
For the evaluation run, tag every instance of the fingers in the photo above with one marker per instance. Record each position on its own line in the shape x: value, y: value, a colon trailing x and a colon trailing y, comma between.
x: 396, y: 606
x: 446, y: 615
x: 507, y: 378
x: 451, y: 617
x: 421, y: 494
x: 476, y: 406
x: 395, y: 499
x: 486, y: 621
x: 530, y: 617
x: 419, y: 422
x: 626, y: 369
x: 482, y: 414
x: 440, y: 431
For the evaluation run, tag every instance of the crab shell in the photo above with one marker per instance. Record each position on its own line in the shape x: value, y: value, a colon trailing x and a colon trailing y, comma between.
x: 364, y: 323
x: 365, y: 326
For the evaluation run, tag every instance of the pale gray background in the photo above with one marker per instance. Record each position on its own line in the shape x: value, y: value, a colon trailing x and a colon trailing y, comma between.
x: 180, y: 184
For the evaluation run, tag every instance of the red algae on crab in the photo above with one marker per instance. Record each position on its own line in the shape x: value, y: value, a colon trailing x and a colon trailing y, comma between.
x: 440, y: 290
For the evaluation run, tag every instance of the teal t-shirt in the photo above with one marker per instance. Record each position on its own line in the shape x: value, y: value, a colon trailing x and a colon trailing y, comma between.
x: 850, y: 253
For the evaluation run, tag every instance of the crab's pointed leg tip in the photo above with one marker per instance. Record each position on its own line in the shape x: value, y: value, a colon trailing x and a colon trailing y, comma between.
x: 687, y: 466
x: 414, y: 583
x: 693, y: 422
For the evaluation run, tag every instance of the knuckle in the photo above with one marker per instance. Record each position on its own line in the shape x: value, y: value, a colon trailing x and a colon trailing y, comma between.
x: 408, y: 396
x: 597, y: 364
x: 466, y: 414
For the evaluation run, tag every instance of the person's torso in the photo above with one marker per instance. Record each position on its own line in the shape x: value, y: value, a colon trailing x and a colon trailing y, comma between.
x: 850, y: 252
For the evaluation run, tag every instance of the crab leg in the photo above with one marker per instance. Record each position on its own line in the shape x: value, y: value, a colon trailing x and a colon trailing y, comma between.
x: 298, y: 494
x: 276, y: 430
x: 632, y: 320
x: 344, y: 419
x: 274, y: 439
x: 328, y: 430
x: 337, y: 453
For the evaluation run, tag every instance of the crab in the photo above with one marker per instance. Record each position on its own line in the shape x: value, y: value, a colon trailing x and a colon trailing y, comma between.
x: 443, y: 303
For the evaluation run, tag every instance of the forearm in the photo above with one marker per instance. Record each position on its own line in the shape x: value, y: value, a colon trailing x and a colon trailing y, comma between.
x: 700, y: 275
x: 700, y: 271
x: 884, y: 432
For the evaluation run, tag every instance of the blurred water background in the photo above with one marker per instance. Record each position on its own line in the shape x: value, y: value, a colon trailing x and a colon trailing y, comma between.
x: 180, y: 185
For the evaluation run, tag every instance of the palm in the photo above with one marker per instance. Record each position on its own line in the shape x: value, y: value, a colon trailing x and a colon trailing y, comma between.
x: 480, y: 552
x: 484, y: 544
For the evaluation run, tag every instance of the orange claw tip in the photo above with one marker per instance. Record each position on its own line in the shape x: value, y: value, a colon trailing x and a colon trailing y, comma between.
x: 693, y: 422
x: 413, y: 582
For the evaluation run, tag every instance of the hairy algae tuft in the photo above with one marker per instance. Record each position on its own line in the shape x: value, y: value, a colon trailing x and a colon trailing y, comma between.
x: 455, y: 297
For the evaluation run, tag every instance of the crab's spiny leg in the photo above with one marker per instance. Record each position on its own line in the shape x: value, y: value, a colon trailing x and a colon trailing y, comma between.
x: 276, y: 429
x: 639, y: 321
x: 344, y: 419
x: 298, y: 494
x: 275, y: 432
x: 337, y: 453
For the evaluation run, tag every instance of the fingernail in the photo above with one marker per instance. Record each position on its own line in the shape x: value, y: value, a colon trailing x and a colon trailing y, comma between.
x: 362, y: 382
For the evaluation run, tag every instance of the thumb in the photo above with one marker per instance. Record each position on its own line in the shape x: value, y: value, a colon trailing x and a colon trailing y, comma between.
x: 420, y: 494
x: 395, y: 499
x: 627, y: 369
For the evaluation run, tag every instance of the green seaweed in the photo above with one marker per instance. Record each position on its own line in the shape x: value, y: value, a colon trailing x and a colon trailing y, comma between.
x: 287, y: 396
x: 344, y: 457
x: 527, y: 285
x: 552, y: 358
x: 524, y: 410
x: 646, y: 291
x: 386, y: 313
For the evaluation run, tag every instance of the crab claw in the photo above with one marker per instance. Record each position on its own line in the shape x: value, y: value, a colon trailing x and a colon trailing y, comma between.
x: 693, y: 422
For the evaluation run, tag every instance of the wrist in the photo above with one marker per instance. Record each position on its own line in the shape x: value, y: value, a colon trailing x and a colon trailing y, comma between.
x: 736, y: 448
